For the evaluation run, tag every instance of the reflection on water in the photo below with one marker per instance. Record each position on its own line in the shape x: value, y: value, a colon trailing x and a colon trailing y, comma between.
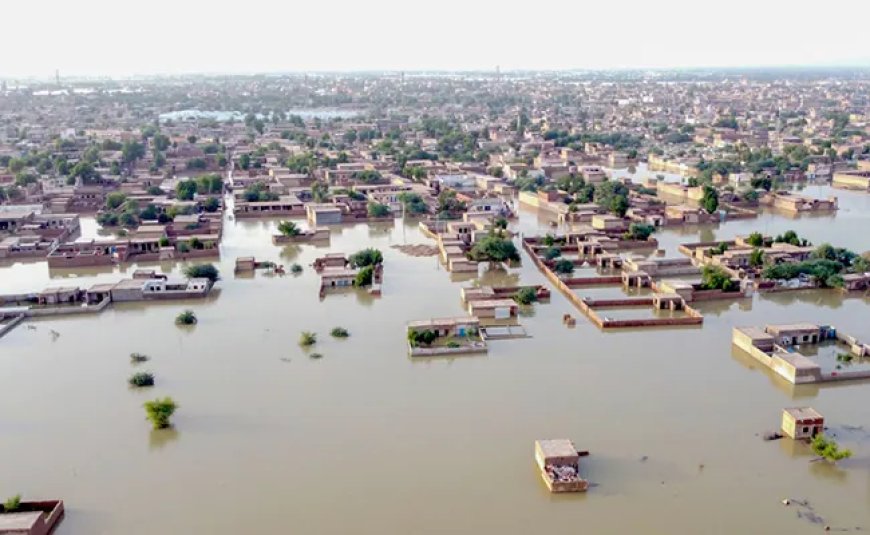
x: 431, y: 445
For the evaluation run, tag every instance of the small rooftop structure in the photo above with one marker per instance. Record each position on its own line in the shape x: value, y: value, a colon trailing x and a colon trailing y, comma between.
x: 801, y: 423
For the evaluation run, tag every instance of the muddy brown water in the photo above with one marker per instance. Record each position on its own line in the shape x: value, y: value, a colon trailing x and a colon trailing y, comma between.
x: 367, y: 440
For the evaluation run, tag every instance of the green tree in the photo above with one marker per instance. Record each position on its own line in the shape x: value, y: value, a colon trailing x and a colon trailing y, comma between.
x: 494, y: 248
x: 202, y: 271
x: 364, y: 277
x: 289, y: 228
x: 564, y: 267
x: 378, y: 210
x: 159, y: 412
x: 526, y: 295
x: 639, y: 231
x: 366, y: 257
x: 828, y: 449
x: 755, y: 239
x: 132, y: 151
x: 710, y: 200
x: 307, y: 339
x: 756, y: 258
x: 552, y: 253
x: 716, y: 278
x: 115, y: 199
x: 185, y: 190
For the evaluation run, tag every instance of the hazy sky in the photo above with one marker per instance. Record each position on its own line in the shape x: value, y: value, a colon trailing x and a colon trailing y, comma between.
x: 112, y: 37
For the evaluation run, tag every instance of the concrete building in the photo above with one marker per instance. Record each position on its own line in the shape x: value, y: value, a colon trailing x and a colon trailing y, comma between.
x: 559, y: 464
x: 802, y: 423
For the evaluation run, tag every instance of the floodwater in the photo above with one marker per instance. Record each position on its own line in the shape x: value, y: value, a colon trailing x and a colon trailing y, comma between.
x: 367, y: 440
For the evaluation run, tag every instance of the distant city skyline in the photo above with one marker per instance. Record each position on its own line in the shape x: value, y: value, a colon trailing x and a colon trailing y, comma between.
x: 103, y: 38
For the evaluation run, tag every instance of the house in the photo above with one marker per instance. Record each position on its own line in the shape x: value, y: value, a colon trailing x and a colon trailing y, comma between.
x: 607, y: 222
x: 323, y: 214
x: 559, y: 464
x: 852, y: 179
x: 337, y: 277
x: 856, y: 282
x: 456, y: 327
x: 795, y: 333
x: 802, y: 423
x: 493, y: 308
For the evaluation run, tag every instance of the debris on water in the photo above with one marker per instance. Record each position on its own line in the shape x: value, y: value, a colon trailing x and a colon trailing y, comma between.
x: 771, y: 435
x: 31, y: 327
x: 701, y: 467
x: 644, y: 458
x: 786, y: 502
x: 54, y: 335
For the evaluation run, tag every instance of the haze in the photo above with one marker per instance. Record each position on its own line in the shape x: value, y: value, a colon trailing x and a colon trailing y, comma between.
x: 105, y: 38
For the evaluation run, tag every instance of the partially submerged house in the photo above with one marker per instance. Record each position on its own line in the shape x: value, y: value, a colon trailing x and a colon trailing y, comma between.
x: 559, y: 463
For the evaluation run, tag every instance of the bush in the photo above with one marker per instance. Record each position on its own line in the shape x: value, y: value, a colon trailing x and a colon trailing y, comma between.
x: 755, y: 239
x: 526, y: 296
x: 307, y: 339
x: 202, y: 271
x: 494, y: 248
x: 364, y: 277
x: 296, y: 269
x: 366, y: 257
x: 716, y: 278
x: 828, y: 449
x: 141, y: 379
x: 138, y: 357
x: 159, y: 411
x: 183, y: 248
x: 639, y: 231
x: 552, y: 253
x: 564, y: 267
x: 425, y: 337
x: 339, y: 332
x: 12, y: 504
x: 186, y: 318
x: 289, y: 228
x: 378, y: 210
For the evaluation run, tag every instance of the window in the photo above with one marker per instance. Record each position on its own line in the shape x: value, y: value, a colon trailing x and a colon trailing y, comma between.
x: 806, y: 429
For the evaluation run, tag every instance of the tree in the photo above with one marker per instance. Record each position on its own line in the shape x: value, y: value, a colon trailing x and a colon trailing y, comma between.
x: 115, y: 199
x: 756, y: 258
x: 364, y: 277
x: 159, y: 411
x: 564, y: 267
x: 339, y: 332
x: 619, y: 206
x: 211, y: 205
x: 710, y: 200
x: 366, y: 257
x: 424, y: 337
x: 526, y: 295
x: 132, y: 151
x: 494, y: 248
x: 320, y: 191
x: 245, y: 161
x: 552, y: 253
x: 376, y: 209
x: 185, y: 190
x: 289, y: 228
x: 160, y: 142
x: 212, y: 183
x: 196, y: 164
x: 413, y: 203
x: 716, y: 278
x: 639, y: 231
x: 307, y: 339
x: 186, y: 318
x: 141, y: 379
x: 755, y: 239
x: 828, y: 449
x: 202, y: 271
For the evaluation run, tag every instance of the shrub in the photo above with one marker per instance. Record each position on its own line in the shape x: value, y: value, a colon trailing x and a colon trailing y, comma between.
x: 183, y: 247
x: 425, y: 337
x: 526, y: 296
x: 378, y: 210
x: 339, y: 332
x: 828, y: 449
x: 639, y: 231
x: 159, y: 411
x: 136, y: 358
x: 186, y: 318
x: 12, y: 504
x: 453, y: 344
x: 141, y: 379
x: 202, y: 271
x: 755, y: 239
x: 307, y: 339
x: 845, y: 357
x: 296, y: 269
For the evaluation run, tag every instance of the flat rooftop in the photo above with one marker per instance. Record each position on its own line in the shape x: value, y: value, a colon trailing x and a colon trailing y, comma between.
x: 803, y: 413
x: 559, y: 447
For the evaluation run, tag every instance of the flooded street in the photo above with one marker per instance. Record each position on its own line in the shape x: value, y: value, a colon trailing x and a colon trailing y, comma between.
x: 367, y: 440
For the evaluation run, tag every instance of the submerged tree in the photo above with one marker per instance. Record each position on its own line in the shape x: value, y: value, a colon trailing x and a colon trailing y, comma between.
x: 186, y: 318
x: 307, y: 339
x: 159, y: 411
x: 828, y: 449
x: 289, y: 229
